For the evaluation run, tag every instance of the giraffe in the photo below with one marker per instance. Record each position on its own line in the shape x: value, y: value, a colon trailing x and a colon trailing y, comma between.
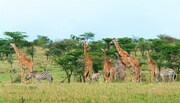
x: 153, y: 69
x: 24, y: 62
x: 88, y: 63
x: 108, y: 68
x: 128, y: 60
x: 120, y: 68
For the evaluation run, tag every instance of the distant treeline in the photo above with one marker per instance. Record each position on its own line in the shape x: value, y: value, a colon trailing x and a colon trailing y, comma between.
x: 68, y: 53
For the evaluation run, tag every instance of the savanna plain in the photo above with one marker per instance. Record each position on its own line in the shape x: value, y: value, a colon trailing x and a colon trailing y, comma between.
x: 74, y: 92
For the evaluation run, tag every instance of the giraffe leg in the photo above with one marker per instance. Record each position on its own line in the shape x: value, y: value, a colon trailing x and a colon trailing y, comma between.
x: 105, y: 78
x: 129, y: 73
x: 85, y: 75
x: 22, y: 75
x: 153, y: 76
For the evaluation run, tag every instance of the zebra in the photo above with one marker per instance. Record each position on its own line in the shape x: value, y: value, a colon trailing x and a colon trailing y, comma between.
x: 40, y: 76
x: 168, y: 72
x: 94, y: 76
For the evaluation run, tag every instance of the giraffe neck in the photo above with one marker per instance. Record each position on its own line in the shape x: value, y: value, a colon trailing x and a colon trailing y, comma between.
x: 18, y: 52
x: 118, y: 57
x: 85, y: 51
x: 150, y: 60
x: 119, y: 49
x: 105, y: 56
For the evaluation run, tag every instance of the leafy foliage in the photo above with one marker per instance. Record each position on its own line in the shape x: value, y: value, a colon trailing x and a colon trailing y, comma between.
x: 42, y: 41
x: 87, y: 36
x: 68, y: 53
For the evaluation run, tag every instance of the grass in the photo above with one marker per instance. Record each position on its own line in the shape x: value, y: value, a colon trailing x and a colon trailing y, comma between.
x: 93, y: 93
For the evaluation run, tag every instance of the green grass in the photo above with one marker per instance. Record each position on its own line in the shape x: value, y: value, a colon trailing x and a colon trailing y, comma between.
x: 85, y: 93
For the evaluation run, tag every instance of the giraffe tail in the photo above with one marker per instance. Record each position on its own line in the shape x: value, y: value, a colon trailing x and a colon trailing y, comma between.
x: 51, y: 79
x: 175, y: 76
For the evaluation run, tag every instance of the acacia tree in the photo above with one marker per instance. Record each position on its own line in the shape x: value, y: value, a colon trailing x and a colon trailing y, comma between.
x: 5, y: 49
x: 135, y: 41
x: 16, y: 37
x: 66, y: 52
x: 42, y: 41
x: 167, y: 38
x: 126, y: 44
x: 31, y: 51
x: 10, y: 60
x: 143, y: 45
x: 87, y: 36
x: 68, y: 62
x: 107, y: 41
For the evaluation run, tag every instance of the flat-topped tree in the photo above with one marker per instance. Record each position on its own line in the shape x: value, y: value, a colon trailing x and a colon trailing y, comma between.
x: 16, y: 37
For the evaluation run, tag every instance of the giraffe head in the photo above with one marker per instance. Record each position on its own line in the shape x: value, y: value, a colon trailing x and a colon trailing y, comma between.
x: 149, y: 51
x: 88, y: 49
x: 117, y: 55
x: 83, y: 41
x: 104, y: 50
x: 112, y: 43
x: 12, y: 44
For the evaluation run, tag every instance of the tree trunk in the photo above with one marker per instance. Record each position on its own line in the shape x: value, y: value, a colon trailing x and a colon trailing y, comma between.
x: 80, y: 78
x: 32, y: 56
x: 69, y: 78
x: 64, y: 80
x: 47, y: 57
x: 178, y: 74
x: 142, y: 53
x: 11, y: 65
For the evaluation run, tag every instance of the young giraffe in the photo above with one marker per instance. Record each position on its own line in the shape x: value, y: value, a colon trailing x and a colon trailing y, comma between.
x: 88, y: 63
x: 108, y: 68
x: 24, y: 62
x: 153, y: 69
x: 127, y: 59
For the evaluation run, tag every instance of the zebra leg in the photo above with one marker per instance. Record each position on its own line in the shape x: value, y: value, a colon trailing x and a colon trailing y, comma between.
x: 90, y: 80
x: 22, y: 75
x: 50, y: 79
x: 163, y: 79
x: 171, y: 78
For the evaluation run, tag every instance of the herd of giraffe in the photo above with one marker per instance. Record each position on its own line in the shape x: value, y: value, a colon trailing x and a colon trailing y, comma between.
x: 110, y: 71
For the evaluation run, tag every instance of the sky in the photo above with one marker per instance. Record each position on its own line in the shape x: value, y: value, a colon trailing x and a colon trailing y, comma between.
x: 58, y: 19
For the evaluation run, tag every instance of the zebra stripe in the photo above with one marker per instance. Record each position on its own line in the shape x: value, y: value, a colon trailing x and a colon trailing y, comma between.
x: 168, y: 72
x: 95, y: 76
x: 40, y: 76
